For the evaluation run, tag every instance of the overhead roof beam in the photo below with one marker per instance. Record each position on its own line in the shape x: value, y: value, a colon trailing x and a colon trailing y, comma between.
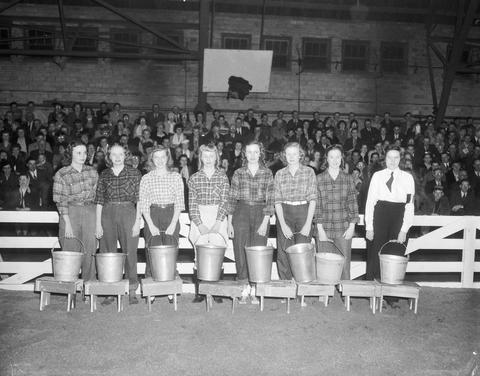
x: 62, y: 24
x: 9, y: 5
x: 138, y: 24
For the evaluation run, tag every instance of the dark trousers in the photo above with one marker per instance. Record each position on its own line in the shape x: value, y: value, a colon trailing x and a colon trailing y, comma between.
x: 295, y: 217
x: 387, y: 222
x: 117, y: 223
x: 161, y: 218
x: 246, y: 220
x: 82, y: 219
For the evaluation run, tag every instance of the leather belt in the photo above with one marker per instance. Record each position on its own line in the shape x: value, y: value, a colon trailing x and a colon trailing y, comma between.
x: 79, y: 203
x: 162, y: 206
x: 295, y: 203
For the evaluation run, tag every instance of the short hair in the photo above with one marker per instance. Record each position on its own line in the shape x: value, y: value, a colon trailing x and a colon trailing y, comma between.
x: 159, y: 148
x: 260, y: 147
x: 208, y: 148
x: 392, y: 148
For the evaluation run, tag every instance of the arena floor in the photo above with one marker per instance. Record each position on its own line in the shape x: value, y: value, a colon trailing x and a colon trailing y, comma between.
x: 440, y: 340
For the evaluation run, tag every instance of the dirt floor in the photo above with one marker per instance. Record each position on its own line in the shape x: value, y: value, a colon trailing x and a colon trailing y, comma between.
x: 440, y: 340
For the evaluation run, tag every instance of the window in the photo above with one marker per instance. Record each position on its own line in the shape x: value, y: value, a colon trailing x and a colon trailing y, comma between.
x: 4, y: 34
x: 236, y: 41
x: 40, y: 40
x: 84, y: 40
x: 393, y: 57
x: 281, y: 51
x: 125, y: 36
x: 316, y: 54
x: 355, y: 56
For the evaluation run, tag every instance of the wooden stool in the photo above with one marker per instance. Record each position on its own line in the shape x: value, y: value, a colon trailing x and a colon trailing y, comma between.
x: 94, y: 288
x: 155, y: 288
x: 231, y: 289
x: 48, y: 285
x: 277, y: 289
x: 364, y: 289
x: 407, y: 290
x: 315, y: 289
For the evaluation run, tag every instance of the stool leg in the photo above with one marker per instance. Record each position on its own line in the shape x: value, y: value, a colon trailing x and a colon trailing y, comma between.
x: 410, y: 304
x: 207, y: 301
x: 374, y: 304
x: 233, y: 304
x: 381, y: 303
x: 416, y: 305
x: 261, y: 303
x: 47, y: 298
x: 326, y: 300
x: 119, y: 303
x: 69, y: 302
x: 347, y: 301
x: 175, y: 302
x: 149, y: 304
x: 302, y: 301
x: 92, y: 302
x: 288, y: 305
x: 41, y: 300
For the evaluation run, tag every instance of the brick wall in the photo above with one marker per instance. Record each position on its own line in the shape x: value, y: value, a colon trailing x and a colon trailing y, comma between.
x: 138, y: 84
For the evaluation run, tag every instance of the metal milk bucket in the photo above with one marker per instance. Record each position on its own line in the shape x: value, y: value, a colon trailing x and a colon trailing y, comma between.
x: 163, y: 261
x: 210, y: 259
x: 67, y: 264
x: 302, y: 261
x: 259, y: 262
x: 110, y: 266
x: 392, y: 267
x: 329, y: 265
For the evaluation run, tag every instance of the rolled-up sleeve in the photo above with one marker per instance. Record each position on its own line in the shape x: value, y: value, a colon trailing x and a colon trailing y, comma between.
x: 352, y: 204
x: 222, y: 208
x: 318, y: 217
x: 409, y: 206
x: 233, y: 193
x: 269, y: 208
x: 60, y: 194
x: 311, y: 188
x: 193, y: 203
x: 100, y: 193
x: 179, y: 203
x: 144, y: 196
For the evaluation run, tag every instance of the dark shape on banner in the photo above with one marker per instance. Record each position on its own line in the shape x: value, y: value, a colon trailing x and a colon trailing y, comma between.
x: 238, y: 88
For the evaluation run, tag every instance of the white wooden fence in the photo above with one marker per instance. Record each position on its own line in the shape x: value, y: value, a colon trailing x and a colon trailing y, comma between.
x: 19, y: 274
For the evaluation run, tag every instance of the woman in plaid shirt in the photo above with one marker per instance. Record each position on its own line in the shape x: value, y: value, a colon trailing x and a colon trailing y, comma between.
x: 250, y: 208
x: 337, y: 210
x: 207, y: 198
x: 161, y: 201
x: 295, y: 198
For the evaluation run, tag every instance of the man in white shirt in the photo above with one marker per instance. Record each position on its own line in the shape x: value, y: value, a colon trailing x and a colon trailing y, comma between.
x: 389, y: 209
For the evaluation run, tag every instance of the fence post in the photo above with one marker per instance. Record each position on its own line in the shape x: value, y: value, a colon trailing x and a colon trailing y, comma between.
x: 468, y: 256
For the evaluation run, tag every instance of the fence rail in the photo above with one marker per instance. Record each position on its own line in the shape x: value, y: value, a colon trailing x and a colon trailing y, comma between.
x: 19, y: 273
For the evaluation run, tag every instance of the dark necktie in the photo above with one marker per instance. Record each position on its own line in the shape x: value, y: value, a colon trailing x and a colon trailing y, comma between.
x: 389, y: 182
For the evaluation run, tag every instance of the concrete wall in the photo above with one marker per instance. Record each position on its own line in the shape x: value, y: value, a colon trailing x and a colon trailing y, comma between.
x: 139, y: 84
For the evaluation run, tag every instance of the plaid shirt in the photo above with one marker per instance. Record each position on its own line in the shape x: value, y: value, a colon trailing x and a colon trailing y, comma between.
x: 258, y: 188
x: 71, y: 186
x: 300, y: 187
x: 124, y: 187
x: 205, y: 191
x: 336, y: 203
x: 161, y: 190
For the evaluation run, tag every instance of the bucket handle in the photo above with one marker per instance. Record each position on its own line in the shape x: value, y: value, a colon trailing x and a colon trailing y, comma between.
x: 393, y: 241
x: 58, y: 242
x: 151, y: 237
x: 208, y: 237
x: 333, y: 243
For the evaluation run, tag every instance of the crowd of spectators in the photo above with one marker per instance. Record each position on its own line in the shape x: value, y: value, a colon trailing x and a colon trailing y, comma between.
x: 444, y: 160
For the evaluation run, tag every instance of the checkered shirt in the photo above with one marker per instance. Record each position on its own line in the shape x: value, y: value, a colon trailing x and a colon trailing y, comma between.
x: 124, y: 187
x: 205, y: 191
x: 161, y: 189
x: 258, y: 188
x: 300, y: 187
x: 71, y: 186
x: 336, y: 203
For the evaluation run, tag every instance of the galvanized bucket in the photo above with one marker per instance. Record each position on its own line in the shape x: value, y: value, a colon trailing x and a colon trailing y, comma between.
x: 210, y: 259
x: 67, y: 264
x: 302, y: 261
x: 392, y: 267
x: 329, y: 265
x: 110, y: 266
x: 163, y: 261
x: 259, y: 262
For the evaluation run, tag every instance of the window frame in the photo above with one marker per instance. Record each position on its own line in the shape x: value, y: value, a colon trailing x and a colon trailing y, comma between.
x: 328, y: 57
x: 83, y: 34
x: 288, y: 56
x: 226, y: 36
x: 403, y: 61
x: 30, y: 44
x: 118, y: 48
x: 364, y: 43
x: 6, y: 45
